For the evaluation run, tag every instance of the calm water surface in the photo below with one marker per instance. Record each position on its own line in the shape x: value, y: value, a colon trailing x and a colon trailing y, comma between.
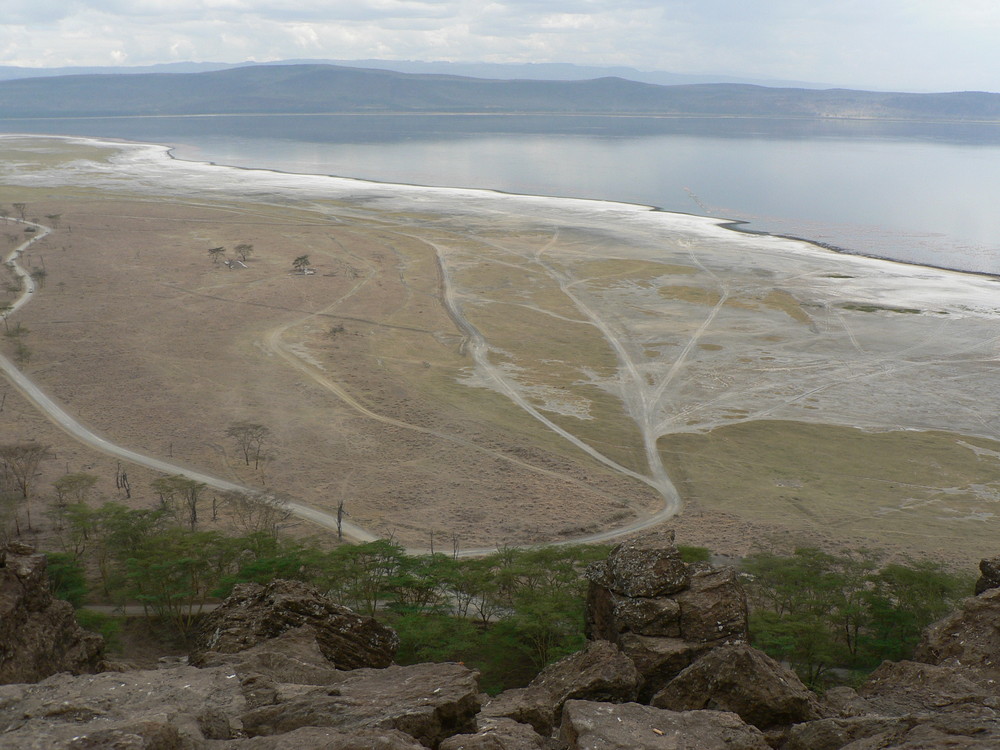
x: 921, y: 193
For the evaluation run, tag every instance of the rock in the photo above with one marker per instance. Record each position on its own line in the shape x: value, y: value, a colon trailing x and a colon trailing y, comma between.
x: 600, y: 672
x: 144, y: 735
x: 989, y: 578
x: 429, y: 702
x: 699, y: 604
x: 308, y: 738
x: 968, y: 639
x: 294, y: 656
x: 499, y: 734
x: 744, y: 681
x: 844, y: 702
x: 630, y: 726
x: 833, y: 734
x: 647, y: 566
x: 659, y: 660
x: 39, y: 635
x: 255, y: 613
x: 197, y: 704
x: 714, y: 607
x: 907, y: 687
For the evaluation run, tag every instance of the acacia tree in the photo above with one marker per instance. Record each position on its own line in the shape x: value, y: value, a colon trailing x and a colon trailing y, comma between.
x: 256, y: 513
x: 244, y: 250
x: 301, y: 264
x: 21, y: 461
x: 250, y: 438
x: 215, y: 253
x: 181, y: 495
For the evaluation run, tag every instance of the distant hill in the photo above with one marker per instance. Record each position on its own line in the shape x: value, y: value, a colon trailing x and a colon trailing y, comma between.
x: 309, y: 88
x: 502, y: 71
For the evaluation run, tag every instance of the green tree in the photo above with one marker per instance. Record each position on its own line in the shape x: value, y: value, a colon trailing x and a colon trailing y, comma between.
x: 244, y: 250
x: 66, y: 578
x: 301, y: 263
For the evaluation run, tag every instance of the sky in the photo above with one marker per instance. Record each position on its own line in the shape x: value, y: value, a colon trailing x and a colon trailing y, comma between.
x: 905, y: 45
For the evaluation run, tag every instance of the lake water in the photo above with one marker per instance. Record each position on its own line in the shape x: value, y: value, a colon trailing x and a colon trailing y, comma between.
x: 920, y: 193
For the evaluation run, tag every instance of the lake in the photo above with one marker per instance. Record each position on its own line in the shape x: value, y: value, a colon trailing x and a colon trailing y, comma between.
x: 925, y: 193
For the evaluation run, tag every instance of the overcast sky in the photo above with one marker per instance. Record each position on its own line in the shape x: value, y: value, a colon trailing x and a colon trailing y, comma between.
x: 913, y: 45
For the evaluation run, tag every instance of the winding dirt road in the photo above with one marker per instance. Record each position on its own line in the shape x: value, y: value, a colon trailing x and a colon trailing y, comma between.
x: 274, y: 343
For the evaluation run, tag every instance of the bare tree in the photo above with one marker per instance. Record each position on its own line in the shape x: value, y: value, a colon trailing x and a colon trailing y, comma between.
x: 244, y: 250
x: 250, y: 438
x: 215, y: 253
x: 21, y: 462
x: 253, y: 513
x: 21, y: 209
x: 180, y: 495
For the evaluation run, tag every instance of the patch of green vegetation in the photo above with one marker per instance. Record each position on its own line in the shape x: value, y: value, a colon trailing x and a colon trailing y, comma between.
x: 824, y: 613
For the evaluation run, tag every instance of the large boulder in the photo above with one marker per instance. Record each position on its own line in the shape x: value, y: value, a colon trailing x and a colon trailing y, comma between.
x: 744, y: 681
x: 989, y: 577
x: 630, y: 726
x: 254, y: 613
x: 182, y: 705
x: 600, y: 672
x: 39, y: 635
x: 907, y: 687
x: 661, y: 611
x: 659, y: 660
x: 308, y: 738
x: 429, y: 702
x: 291, y: 657
x: 968, y: 639
x: 500, y: 734
x: 647, y: 566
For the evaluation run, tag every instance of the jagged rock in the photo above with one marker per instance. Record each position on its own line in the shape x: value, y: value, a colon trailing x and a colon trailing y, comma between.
x: 500, y: 734
x: 906, y: 687
x: 989, y: 578
x: 294, y: 656
x: 600, y: 672
x: 198, y: 704
x: 427, y: 701
x: 647, y: 566
x: 702, y: 604
x: 255, y: 613
x: 968, y: 639
x: 311, y: 738
x: 744, y: 681
x: 630, y: 726
x: 837, y: 733
x: 39, y: 635
x: 844, y: 702
x: 714, y: 607
x: 659, y: 660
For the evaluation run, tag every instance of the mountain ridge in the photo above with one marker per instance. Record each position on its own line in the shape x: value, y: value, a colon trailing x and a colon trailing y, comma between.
x: 320, y: 88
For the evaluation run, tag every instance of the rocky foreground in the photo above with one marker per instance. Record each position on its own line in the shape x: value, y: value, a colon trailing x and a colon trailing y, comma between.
x: 667, y: 666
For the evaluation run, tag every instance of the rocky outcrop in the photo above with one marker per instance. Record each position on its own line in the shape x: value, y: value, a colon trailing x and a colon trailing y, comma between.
x: 968, y: 639
x: 429, y: 702
x: 39, y: 635
x: 630, y: 726
x: 989, y: 578
x: 672, y: 614
x: 600, y: 672
x: 253, y: 614
x: 744, y: 681
x: 191, y: 704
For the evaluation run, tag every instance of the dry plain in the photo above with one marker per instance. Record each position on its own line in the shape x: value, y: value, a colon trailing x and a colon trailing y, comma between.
x: 499, y: 370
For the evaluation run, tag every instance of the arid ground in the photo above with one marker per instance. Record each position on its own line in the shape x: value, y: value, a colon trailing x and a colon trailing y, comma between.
x: 481, y: 370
